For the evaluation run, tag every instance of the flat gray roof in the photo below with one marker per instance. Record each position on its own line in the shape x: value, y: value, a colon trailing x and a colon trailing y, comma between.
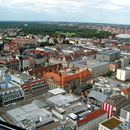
x: 123, y: 36
x: 90, y: 63
x: 29, y: 111
x: 97, y: 95
x: 108, y: 52
x: 127, y: 108
x: 62, y: 100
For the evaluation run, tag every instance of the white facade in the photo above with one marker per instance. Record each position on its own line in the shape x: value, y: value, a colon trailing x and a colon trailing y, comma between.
x: 125, y: 114
x: 3, y: 83
x: 25, y: 64
x: 123, y: 74
x: 3, y: 71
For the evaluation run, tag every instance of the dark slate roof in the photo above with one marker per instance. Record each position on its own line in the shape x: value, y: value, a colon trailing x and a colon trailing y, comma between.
x: 81, y: 88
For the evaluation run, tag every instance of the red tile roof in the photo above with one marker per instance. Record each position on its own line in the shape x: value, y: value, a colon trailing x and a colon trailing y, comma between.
x: 24, y: 40
x: 38, y: 52
x: 126, y: 91
x: 91, y: 116
x: 66, y: 57
x: 76, y: 54
x: 127, y: 47
x: 42, y: 69
x: 65, y: 78
x: 10, y: 44
x: 13, y: 61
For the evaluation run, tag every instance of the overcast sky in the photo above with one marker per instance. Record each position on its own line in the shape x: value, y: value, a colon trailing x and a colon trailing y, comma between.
x: 100, y: 11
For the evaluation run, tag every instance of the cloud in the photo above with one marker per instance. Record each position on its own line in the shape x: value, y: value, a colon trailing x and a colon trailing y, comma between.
x: 66, y: 10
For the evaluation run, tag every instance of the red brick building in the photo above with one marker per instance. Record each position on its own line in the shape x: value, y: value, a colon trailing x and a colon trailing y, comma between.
x: 66, y: 80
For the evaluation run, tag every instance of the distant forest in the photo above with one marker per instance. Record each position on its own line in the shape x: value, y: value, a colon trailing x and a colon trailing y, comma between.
x: 55, y: 29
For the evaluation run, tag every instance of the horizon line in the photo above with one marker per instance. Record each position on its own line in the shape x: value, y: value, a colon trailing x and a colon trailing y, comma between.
x: 64, y: 22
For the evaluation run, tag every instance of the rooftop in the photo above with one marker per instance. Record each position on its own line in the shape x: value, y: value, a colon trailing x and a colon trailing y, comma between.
x: 62, y: 100
x: 67, y: 75
x: 127, y: 108
x: 21, y: 76
x: 98, y: 96
x: 89, y: 63
x: 126, y: 90
x: 91, y: 116
x: 123, y: 126
x: 111, y: 123
x: 56, y: 91
x: 123, y: 36
x: 108, y: 52
x: 30, y: 111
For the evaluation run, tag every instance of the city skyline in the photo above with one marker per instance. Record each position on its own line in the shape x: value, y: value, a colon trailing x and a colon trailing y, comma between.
x: 98, y: 11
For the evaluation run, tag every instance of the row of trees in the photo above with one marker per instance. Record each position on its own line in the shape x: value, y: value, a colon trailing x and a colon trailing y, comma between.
x: 55, y: 29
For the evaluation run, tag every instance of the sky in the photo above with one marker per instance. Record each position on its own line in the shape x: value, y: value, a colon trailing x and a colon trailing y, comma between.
x: 96, y: 11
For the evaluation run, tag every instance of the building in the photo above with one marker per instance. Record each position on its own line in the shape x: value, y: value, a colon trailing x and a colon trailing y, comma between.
x: 114, y: 124
x: 29, y: 84
x: 96, y: 97
x: 97, y: 68
x: 114, y: 66
x: 63, y: 59
x: 125, y: 114
x: 10, y: 94
x: 10, y: 46
x: 89, y: 120
x: 123, y: 38
x: 123, y: 74
x: 73, y: 113
x: 57, y: 91
x: 30, y: 116
x: 108, y: 56
x: 125, y: 61
x: 125, y: 48
x: 40, y: 71
x: 38, y: 56
x: 66, y: 55
x: 24, y: 63
x: 3, y: 70
x: 63, y: 104
x: 24, y: 41
x: 34, y: 87
x: 10, y: 62
x: 21, y: 78
x: 66, y: 79
x: 115, y: 93
x: 3, y: 83
x: 82, y: 90
x: 61, y: 100
x: 126, y: 92
x: 15, y: 62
